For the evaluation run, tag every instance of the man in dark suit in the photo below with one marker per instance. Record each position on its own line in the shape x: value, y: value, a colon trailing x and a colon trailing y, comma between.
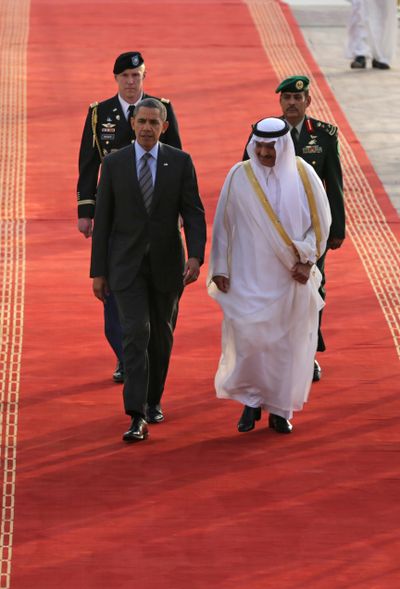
x: 317, y: 143
x: 137, y: 252
x: 107, y: 128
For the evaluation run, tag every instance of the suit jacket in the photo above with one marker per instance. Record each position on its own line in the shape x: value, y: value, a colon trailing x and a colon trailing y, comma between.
x: 124, y: 231
x: 113, y: 131
x: 318, y: 145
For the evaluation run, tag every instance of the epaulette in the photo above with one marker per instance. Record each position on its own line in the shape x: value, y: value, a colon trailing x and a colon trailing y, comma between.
x: 327, y: 127
x: 94, y: 104
x: 165, y: 100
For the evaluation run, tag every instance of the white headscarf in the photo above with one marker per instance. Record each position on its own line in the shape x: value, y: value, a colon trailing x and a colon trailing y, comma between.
x: 281, y: 183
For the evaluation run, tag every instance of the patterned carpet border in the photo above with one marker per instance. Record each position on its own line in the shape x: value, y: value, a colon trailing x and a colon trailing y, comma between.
x: 14, y: 26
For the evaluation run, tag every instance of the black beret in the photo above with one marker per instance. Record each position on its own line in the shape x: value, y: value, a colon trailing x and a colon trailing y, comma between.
x: 127, y: 61
x: 293, y: 84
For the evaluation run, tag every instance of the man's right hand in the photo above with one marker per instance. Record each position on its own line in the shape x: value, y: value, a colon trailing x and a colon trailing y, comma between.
x: 85, y: 226
x: 222, y: 283
x: 100, y: 288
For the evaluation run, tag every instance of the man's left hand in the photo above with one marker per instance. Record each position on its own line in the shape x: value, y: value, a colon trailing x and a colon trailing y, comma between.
x: 192, y: 271
x: 100, y: 288
x: 301, y: 272
x: 334, y: 243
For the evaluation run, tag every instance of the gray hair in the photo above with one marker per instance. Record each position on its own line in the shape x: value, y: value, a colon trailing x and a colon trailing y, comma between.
x: 152, y: 103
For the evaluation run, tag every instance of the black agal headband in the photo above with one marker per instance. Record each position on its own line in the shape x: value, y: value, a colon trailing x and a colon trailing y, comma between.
x: 270, y: 134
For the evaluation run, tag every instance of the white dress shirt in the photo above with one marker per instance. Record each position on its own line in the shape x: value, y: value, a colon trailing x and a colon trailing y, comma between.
x: 152, y: 161
x: 125, y: 105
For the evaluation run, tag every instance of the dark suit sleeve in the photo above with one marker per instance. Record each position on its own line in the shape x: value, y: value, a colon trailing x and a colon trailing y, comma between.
x: 333, y: 180
x: 102, y: 224
x: 89, y: 164
x: 171, y: 136
x: 192, y: 212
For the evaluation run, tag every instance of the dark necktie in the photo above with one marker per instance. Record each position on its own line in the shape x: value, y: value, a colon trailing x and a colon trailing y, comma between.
x: 146, y: 180
x: 295, y: 135
x: 131, y: 108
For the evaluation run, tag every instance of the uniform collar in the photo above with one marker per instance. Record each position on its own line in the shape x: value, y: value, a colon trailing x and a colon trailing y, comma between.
x: 139, y: 151
x: 298, y: 127
x: 125, y: 105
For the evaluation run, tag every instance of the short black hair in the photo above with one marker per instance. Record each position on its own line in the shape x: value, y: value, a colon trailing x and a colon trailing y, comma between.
x: 152, y: 103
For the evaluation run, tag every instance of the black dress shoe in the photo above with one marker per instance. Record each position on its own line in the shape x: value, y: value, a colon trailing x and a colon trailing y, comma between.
x: 358, y: 63
x: 137, y: 432
x: 248, y: 418
x: 317, y: 372
x: 118, y: 375
x: 380, y: 65
x: 154, y: 414
x: 279, y: 424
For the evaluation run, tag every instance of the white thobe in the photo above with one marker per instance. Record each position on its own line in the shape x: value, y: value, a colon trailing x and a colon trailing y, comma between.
x: 269, y: 330
x: 372, y: 30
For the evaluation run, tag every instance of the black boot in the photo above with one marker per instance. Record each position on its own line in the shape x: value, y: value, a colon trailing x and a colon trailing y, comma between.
x: 248, y: 418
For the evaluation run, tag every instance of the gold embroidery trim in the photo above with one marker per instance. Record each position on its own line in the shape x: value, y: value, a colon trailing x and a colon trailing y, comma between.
x: 94, y: 131
x: 86, y: 202
x: 315, y: 222
x: 266, y: 205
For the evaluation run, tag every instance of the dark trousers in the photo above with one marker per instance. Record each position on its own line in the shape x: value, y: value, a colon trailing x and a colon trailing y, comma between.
x: 148, y: 317
x: 112, y: 326
x: 321, y: 265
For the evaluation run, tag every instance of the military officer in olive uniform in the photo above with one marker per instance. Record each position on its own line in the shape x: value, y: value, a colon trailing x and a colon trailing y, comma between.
x: 107, y: 129
x: 317, y: 143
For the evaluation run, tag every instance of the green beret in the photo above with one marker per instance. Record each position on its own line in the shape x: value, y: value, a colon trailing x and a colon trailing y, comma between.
x: 293, y: 84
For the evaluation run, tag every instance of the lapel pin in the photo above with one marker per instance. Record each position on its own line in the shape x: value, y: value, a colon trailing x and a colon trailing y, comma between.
x: 165, y: 164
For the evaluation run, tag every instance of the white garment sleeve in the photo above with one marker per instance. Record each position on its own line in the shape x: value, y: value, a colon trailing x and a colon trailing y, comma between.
x: 307, y: 247
x: 220, y: 248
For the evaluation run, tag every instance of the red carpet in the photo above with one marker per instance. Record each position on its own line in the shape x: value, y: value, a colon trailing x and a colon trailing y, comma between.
x: 198, y: 505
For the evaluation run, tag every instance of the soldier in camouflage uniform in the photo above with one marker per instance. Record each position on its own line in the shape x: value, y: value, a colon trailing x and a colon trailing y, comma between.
x: 317, y: 143
x: 107, y: 128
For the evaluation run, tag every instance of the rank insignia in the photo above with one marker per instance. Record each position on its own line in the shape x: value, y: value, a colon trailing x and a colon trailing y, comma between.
x: 107, y: 132
x: 108, y: 128
x: 312, y: 149
x: 309, y: 126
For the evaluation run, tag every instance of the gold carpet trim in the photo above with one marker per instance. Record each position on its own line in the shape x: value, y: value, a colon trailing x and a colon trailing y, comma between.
x: 14, y: 26
x: 367, y: 227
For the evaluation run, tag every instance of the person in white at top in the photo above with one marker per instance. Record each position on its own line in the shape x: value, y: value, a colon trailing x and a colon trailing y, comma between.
x: 372, y: 33
x: 271, y: 225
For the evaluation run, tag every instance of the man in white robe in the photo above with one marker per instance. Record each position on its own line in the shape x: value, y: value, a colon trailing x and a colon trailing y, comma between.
x: 270, y: 228
x: 372, y: 33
